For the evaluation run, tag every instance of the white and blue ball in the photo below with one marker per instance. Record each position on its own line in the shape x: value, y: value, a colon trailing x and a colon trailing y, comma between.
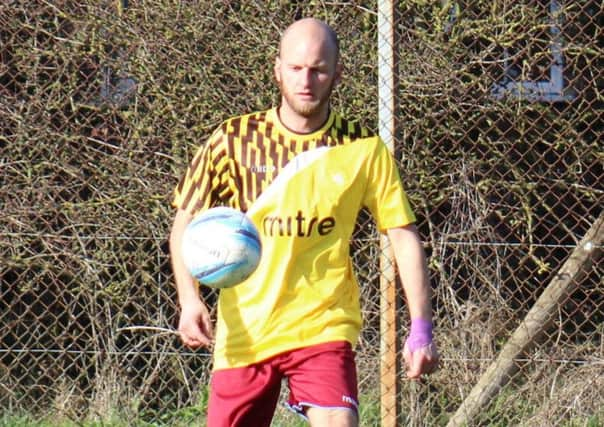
x: 221, y: 247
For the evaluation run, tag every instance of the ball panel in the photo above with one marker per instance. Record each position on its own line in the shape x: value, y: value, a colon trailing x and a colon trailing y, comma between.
x: 226, y: 276
x: 252, y: 238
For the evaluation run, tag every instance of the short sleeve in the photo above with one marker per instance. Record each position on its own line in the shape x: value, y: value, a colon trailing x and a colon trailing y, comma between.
x: 385, y: 196
x: 197, y: 187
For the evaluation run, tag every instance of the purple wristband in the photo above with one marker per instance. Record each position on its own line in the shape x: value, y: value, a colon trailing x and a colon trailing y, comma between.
x: 420, y: 334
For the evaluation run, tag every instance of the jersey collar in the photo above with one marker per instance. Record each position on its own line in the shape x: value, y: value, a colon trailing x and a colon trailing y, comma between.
x: 285, y: 131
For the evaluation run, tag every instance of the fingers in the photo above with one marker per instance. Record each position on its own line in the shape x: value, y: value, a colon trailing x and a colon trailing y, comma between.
x: 195, y: 341
x: 422, y: 361
x: 196, y: 332
x: 414, y: 366
x: 195, y: 327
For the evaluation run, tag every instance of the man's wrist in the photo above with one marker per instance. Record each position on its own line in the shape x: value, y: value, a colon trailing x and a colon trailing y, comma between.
x: 420, y: 334
x: 188, y: 297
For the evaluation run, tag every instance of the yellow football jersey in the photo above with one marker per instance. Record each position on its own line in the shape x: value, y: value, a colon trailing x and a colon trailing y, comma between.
x: 303, y: 192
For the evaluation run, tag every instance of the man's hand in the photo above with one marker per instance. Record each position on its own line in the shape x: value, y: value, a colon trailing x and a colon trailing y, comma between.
x: 423, y: 360
x: 195, y: 325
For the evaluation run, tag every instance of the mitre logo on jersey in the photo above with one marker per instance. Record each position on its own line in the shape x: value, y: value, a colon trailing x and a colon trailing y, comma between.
x: 298, y: 225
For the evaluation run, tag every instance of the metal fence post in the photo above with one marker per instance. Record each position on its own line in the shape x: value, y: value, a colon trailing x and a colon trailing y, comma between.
x: 390, y: 299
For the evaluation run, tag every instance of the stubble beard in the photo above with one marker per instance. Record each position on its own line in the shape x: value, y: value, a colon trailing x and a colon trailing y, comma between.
x: 306, y: 109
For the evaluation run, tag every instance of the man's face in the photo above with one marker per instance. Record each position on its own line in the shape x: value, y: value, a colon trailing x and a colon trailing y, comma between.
x: 306, y: 72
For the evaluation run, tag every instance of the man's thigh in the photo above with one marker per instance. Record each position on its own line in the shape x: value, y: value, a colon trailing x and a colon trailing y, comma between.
x: 324, y: 417
x: 242, y: 397
x: 323, y: 384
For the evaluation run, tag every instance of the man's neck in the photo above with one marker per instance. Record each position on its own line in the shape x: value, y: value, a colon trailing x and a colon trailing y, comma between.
x: 301, y: 124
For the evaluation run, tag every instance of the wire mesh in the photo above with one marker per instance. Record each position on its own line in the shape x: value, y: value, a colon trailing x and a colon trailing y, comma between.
x: 499, y: 108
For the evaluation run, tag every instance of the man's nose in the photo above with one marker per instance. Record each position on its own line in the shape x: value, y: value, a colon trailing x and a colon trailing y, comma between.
x: 306, y: 77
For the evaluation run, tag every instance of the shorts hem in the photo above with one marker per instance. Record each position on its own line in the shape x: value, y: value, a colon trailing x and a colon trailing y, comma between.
x: 299, y: 408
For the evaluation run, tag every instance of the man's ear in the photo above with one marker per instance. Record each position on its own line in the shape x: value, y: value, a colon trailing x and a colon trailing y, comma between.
x: 339, y: 71
x: 277, y: 68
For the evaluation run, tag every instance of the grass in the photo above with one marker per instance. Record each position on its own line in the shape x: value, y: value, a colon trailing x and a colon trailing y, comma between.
x: 193, y: 415
x: 369, y: 416
x: 512, y: 407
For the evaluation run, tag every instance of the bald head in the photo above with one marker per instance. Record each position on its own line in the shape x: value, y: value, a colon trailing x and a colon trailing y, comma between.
x: 313, y: 30
x: 307, y: 69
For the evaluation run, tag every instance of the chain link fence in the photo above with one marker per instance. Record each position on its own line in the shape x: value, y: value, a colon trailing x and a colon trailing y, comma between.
x: 498, y: 111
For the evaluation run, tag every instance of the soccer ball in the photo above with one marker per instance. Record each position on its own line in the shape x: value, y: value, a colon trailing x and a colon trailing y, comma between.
x: 221, y: 247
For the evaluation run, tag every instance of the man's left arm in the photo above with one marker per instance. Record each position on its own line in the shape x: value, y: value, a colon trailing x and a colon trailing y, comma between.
x: 420, y: 353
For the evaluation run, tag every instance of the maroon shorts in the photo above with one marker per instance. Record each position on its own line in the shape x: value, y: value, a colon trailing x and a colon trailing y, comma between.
x: 322, y: 376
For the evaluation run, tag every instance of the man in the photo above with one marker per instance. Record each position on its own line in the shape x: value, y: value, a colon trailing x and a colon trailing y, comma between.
x: 302, y: 173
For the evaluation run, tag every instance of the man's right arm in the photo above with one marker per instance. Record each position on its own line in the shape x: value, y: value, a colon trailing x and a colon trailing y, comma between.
x: 195, y: 325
